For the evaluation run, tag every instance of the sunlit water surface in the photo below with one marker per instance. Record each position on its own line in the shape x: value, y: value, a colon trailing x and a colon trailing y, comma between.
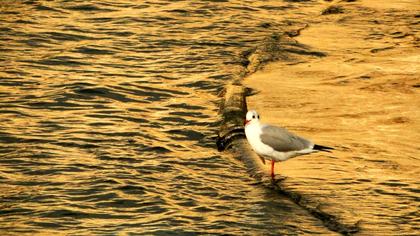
x: 109, y: 111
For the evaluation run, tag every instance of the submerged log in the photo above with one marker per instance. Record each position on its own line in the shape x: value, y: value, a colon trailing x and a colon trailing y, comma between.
x: 232, y: 110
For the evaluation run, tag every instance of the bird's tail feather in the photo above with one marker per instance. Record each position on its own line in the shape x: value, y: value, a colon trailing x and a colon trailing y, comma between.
x: 322, y: 148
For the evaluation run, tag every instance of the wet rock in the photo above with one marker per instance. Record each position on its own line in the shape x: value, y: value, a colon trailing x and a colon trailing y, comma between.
x: 296, y: 32
x: 232, y: 110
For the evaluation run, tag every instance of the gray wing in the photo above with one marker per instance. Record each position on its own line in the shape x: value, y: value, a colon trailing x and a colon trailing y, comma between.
x: 282, y: 140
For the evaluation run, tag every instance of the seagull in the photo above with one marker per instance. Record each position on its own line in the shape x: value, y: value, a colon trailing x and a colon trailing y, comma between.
x: 276, y: 143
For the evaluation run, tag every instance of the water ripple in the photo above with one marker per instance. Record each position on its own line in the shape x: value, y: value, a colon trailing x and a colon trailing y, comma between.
x: 109, y: 113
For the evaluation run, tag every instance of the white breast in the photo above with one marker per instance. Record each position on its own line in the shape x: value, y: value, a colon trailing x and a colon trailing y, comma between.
x: 253, y: 132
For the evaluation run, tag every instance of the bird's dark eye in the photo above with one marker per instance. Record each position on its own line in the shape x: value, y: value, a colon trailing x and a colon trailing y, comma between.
x: 253, y: 117
x: 258, y: 117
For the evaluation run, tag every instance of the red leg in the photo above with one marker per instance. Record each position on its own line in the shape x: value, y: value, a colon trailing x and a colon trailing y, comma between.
x: 272, y: 169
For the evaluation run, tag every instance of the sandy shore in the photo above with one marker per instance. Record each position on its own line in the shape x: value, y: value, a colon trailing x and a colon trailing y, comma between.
x: 361, y: 98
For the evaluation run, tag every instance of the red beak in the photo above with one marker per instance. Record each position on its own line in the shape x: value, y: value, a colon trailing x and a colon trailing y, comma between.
x: 246, y: 121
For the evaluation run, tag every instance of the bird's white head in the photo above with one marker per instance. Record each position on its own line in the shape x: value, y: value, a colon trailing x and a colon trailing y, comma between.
x: 251, y: 117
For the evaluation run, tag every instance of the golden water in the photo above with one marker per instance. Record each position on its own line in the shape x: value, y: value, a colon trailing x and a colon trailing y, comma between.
x: 109, y: 114
x: 363, y: 99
